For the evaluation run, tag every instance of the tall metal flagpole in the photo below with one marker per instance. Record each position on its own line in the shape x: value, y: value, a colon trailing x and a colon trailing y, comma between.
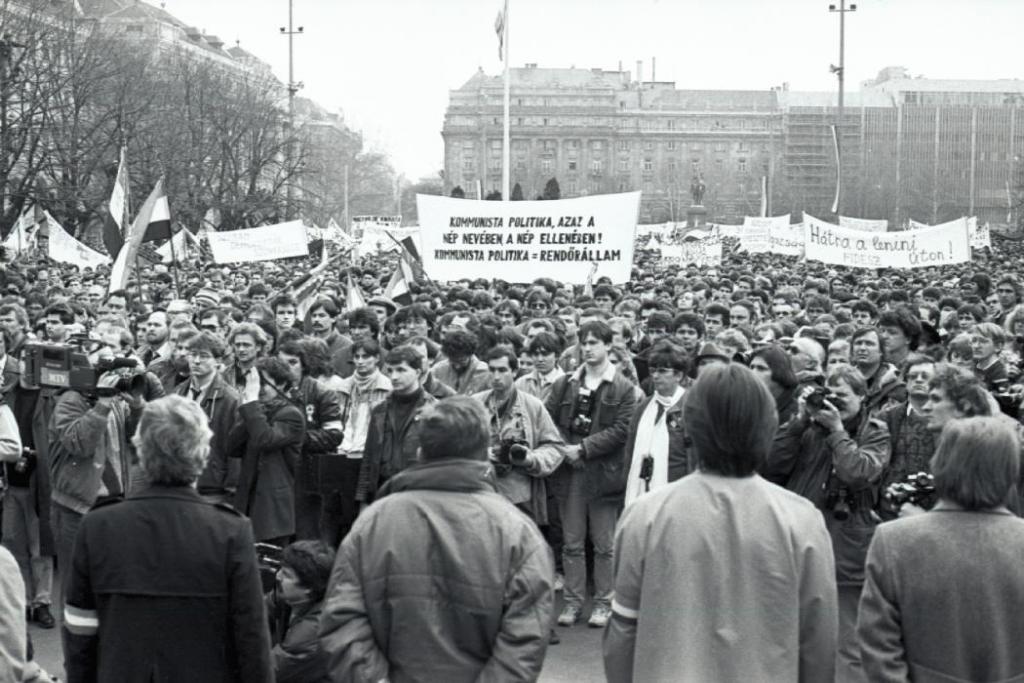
x: 506, y: 152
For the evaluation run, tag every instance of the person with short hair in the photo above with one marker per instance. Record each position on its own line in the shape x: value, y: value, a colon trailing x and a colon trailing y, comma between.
x: 295, y: 607
x: 440, y: 537
x: 544, y: 348
x: 164, y: 581
x: 268, y: 438
x: 392, y: 439
x: 461, y: 369
x: 943, y: 589
x: 766, y: 574
x: 987, y: 340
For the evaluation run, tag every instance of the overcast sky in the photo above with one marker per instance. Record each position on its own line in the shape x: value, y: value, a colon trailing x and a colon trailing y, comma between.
x: 389, y: 64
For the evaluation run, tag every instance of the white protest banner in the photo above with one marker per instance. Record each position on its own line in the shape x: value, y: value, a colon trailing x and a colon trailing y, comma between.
x: 724, y: 230
x: 285, y: 240
x: 703, y: 252
x: 787, y: 240
x: 66, y: 249
x: 914, y: 225
x: 314, y: 233
x: 755, y: 237
x: 866, y: 224
x: 941, y: 245
x: 521, y: 241
x: 981, y: 235
x: 360, y: 223
x: 184, y: 241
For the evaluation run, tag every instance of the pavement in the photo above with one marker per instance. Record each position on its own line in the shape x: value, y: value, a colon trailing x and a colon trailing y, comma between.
x: 577, y: 659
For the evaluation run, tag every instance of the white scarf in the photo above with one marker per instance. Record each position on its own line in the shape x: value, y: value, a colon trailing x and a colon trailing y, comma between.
x: 651, y: 439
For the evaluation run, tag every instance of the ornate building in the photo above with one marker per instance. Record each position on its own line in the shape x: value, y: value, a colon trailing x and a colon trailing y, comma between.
x: 931, y: 150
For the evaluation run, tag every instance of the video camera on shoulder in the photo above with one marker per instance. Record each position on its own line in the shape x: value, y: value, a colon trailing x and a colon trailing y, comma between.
x: 67, y: 366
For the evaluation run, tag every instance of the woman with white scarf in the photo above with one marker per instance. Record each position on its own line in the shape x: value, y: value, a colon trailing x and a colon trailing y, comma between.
x: 656, y: 452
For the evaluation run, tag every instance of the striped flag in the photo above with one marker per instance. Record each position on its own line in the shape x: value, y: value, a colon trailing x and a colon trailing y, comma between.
x: 154, y: 207
x: 117, y: 218
x: 397, y: 288
x: 764, y: 196
x: 159, y: 224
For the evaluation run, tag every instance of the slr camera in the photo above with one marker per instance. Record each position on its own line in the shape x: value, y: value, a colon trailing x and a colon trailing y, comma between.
x: 816, y: 399
x: 581, y: 419
x: 512, y: 451
x: 838, y: 499
x: 917, y: 489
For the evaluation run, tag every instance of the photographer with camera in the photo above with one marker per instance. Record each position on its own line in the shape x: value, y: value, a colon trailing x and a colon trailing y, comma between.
x: 592, y: 408
x: 525, y: 443
x: 834, y: 454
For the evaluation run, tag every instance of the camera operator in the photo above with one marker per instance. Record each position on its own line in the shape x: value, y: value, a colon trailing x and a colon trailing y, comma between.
x: 91, y: 455
x: 524, y: 441
x: 833, y: 453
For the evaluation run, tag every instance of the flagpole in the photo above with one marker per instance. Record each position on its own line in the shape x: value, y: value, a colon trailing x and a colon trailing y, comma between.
x: 506, y: 175
x: 174, y: 265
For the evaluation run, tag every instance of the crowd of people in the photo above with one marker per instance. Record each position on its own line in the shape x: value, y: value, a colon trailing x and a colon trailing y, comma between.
x: 700, y: 462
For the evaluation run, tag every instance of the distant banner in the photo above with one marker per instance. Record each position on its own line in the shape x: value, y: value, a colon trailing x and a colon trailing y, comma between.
x: 865, y: 224
x: 756, y: 235
x: 734, y: 231
x: 359, y: 224
x: 184, y: 244
x: 941, y: 245
x: 787, y: 240
x: 704, y: 252
x: 66, y: 249
x: 522, y: 241
x: 285, y: 240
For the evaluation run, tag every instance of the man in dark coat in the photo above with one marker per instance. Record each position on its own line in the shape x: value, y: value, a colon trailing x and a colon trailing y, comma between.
x: 165, y: 586
x: 269, y: 439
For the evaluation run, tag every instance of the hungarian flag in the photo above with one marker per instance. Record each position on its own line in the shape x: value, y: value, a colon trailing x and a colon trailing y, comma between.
x: 155, y: 207
x: 398, y: 286
x: 499, y: 28
x: 159, y: 223
x: 117, y: 218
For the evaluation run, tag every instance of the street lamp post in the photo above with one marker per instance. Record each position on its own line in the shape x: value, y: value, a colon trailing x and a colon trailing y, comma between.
x: 840, y: 72
x: 7, y: 47
x: 293, y: 88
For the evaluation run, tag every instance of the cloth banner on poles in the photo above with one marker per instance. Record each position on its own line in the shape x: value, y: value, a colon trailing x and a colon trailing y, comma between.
x: 866, y: 224
x: 183, y: 241
x: 271, y: 242
x: 66, y: 249
x: 704, y: 252
x: 522, y: 241
x: 22, y: 237
x: 941, y: 245
x: 360, y: 223
x: 787, y: 240
x: 756, y: 237
x: 981, y: 235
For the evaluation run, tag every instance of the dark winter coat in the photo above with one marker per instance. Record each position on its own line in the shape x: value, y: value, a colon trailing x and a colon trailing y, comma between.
x: 221, y: 407
x: 388, y: 441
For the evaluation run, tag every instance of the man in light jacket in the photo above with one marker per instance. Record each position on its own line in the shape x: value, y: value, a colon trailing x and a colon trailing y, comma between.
x: 441, y: 579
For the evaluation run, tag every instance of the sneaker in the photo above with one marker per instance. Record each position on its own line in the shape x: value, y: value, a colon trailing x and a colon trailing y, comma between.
x: 41, y: 615
x: 570, y: 615
x: 599, y: 616
x: 559, y: 583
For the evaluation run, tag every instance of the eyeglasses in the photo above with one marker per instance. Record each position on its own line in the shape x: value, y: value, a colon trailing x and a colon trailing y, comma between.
x: 918, y: 375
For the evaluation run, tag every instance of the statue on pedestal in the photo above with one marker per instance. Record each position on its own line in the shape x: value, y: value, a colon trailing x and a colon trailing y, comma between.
x: 697, y: 190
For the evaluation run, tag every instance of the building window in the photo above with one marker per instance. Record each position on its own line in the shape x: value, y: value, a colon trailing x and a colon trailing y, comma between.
x: 496, y: 145
x: 741, y: 166
x: 671, y: 165
x: 467, y: 144
x: 550, y: 145
x: 648, y: 187
x: 623, y: 145
x: 623, y: 186
x: 519, y: 121
x: 670, y: 145
x: 671, y: 124
x: 495, y: 164
x: 545, y: 121
x: 545, y: 165
x: 623, y: 164
x: 597, y: 166
x: 572, y: 144
x: 741, y: 146
x: 468, y: 164
x: 597, y: 145
x: 720, y: 146
x: 572, y: 165
x: 648, y: 164
x: 497, y: 121
x: 649, y: 145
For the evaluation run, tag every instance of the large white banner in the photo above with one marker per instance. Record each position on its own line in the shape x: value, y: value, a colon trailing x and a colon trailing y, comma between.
x: 522, y: 241
x: 981, y: 235
x: 787, y: 240
x: 361, y: 223
x: 284, y: 240
x: 728, y: 230
x: 941, y: 245
x: 184, y: 242
x: 865, y: 224
x: 705, y: 251
x: 66, y: 249
x: 756, y: 236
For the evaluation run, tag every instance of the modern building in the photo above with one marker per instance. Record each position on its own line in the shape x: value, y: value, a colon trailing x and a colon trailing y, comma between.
x: 931, y: 150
